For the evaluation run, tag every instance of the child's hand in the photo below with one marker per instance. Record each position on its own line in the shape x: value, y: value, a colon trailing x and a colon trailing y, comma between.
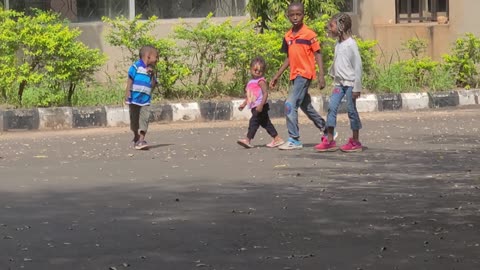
x: 355, y: 95
x: 259, y: 108
x: 321, y: 82
x: 150, y: 71
x: 126, y: 100
x: 241, y: 107
x: 273, y: 82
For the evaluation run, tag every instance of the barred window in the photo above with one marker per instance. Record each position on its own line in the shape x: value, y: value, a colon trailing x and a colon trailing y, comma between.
x: 94, y: 10
x: 349, y: 6
x: 408, y: 11
x: 189, y: 8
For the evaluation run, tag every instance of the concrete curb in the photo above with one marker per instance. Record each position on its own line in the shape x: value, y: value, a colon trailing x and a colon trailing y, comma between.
x: 115, y: 116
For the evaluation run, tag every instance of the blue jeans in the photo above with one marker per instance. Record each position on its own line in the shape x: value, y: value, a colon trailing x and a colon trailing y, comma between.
x: 299, y: 97
x: 335, y: 99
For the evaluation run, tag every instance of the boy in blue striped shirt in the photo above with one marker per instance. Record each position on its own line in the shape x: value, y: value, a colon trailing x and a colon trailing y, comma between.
x: 141, y: 81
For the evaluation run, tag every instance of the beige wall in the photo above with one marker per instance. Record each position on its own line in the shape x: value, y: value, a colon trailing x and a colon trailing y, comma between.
x: 376, y: 20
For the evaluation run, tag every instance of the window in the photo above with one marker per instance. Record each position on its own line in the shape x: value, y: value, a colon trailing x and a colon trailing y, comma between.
x: 189, y: 8
x: 420, y: 10
x: 349, y: 6
x: 94, y: 10
x: 26, y: 5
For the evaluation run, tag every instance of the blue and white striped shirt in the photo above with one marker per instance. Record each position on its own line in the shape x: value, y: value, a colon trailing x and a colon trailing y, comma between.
x: 141, y: 91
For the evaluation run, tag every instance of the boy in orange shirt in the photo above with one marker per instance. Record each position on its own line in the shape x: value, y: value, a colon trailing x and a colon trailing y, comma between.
x: 303, y: 51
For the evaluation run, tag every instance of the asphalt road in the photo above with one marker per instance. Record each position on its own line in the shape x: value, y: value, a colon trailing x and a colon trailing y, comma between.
x: 83, y: 199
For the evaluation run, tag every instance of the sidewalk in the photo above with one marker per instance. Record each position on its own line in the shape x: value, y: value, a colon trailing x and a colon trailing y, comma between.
x: 115, y: 116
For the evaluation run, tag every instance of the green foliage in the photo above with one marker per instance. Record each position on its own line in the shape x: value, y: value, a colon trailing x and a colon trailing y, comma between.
x: 441, y: 79
x: 131, y: 35
x: 169, y: 68
x: 394, y: 80
x: 42, y: 96
x: 99, y: 94
x: 464, y: 60
x: 415, y: 46
x: 268, y: 11
x: 8, y: 48
x: 369, y: 62
x: 206, y: 45
x: 413, y: 75
x: 41, y: 48
x: 86, y: 95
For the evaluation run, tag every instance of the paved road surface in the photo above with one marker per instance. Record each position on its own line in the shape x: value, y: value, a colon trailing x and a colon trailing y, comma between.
x: 83, y: 199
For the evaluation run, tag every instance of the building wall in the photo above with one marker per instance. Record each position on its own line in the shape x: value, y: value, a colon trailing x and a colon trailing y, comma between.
x: 375, y: 19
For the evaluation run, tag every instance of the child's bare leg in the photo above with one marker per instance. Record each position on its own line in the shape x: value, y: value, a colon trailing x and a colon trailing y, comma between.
x: 141, y: 136
x: 330, y: 131
x: 136, y: 136
x: 355, y: 135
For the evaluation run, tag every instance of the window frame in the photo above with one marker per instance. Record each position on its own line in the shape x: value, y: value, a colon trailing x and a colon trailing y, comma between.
x: 421, y: 18
x: 354, y: 7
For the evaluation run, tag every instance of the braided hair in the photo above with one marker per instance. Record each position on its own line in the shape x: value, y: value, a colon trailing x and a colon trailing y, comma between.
x: 344, y: 23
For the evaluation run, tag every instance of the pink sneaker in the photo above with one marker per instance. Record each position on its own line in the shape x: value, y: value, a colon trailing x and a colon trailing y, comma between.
x: 275, y: 143
x: 352, y: 146
x: 326, y: 146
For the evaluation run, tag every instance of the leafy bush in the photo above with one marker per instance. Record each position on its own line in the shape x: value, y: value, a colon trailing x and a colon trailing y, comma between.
x: 41, y: 48
x: 8, y: 48
x: 441, y: 79
x: 464, y: 60
x: 99, y: 94
x: 219, y: 55
x: 266, y: 12
x: 415, y: 46
x: 131, y: 35
x: 42, y: 96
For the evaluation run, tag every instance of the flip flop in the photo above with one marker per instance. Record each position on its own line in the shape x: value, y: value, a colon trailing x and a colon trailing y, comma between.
x: 245, y: 143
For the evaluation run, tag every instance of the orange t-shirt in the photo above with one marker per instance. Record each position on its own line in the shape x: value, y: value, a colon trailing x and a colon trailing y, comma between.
x: 300, y: 49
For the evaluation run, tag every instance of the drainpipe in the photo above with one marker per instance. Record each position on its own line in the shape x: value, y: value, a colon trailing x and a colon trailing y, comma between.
x: 131, y: 9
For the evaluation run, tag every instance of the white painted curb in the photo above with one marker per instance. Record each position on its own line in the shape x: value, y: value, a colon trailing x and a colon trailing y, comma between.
x: 117, y: 116
x: 367, y: 103
x: 415, y: 101
x: 186, y: 112
x: 237, y: 114
x: 317, y: 103
x: 468, y: 97
x: 55, y: 118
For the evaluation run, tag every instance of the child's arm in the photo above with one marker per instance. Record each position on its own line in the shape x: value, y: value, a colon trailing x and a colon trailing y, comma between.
x: 264, y: 87
x: 321, y: 75
x: 357, y: 65
x: 242, y: 106
x: 275, y: 78
x: 127, y: 89
x: 153, y: 78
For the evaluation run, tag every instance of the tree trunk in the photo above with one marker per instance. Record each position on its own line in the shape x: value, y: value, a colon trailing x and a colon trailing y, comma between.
x: 71, y: 90
x: 21, y: 88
